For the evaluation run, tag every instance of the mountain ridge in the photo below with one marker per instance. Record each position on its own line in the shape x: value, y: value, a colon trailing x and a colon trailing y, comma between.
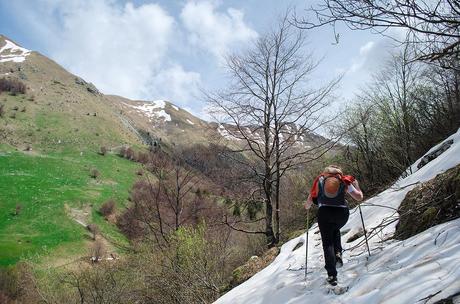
x: 54, y: 89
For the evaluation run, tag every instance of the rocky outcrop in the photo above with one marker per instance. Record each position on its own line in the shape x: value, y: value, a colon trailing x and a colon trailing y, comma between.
x: 431, y: 203
x: 89, y: 86
x: 254, y: 265
x: 430, y: 156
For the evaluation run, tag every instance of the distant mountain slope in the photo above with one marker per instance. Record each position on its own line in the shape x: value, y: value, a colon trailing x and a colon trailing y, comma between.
x: 162, y: 120
x: 63, y: 111
x: 423, y: 268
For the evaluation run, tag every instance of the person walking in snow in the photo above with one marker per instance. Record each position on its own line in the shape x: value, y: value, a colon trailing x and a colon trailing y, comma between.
x: 328, y: 192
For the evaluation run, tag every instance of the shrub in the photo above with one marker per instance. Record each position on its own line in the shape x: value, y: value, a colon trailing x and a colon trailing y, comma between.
x: 14, y: 86
x: 103, y: 150
x: 2, y: 110
x: 9, y: 287
x: 129, y: 154
x: 13, y: 115
x: 122, y: 152
x: 142, y: 157
x: 108, y: 208
x: 94, y: 173
x: 97, y: 250
x: 94, y: 230
x: 129, y: 224
x: 18, y: 209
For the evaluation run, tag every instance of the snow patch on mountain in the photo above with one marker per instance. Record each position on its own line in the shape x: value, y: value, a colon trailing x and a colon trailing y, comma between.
x: 421, y: 269
x: 190, y: 122
x: 155, y: 109
x: 225, y: 133
x: 164, y: 115
x: 174, y: 107
x: 12, y: 52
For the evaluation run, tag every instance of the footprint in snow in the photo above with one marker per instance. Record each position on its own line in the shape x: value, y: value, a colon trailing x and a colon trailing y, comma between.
x: 280, y: 285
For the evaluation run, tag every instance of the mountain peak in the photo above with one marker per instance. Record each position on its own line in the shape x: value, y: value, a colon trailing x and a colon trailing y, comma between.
x: 10, y: 51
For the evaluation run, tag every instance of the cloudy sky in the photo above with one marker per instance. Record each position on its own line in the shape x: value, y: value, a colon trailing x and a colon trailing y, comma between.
x: 171, y: 49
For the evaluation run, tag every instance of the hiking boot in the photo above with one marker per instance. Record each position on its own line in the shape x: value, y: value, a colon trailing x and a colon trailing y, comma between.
x: 338, y: 260
x: 332, y: 280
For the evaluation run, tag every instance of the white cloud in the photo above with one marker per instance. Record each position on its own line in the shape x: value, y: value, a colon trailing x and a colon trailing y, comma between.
x: 214, y: 31
x: 119, y: 48
x: 360, y: 61
x: 371, y: 56
x: 176, y: 84
x: 368, y: 60
x: 122, y: 48
x: 365, y: 49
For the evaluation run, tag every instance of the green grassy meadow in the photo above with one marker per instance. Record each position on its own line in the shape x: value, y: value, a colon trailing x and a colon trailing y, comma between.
x: 43, y: 185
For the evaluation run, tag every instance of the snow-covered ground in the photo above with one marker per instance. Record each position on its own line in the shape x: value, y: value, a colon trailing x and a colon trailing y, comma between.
x: 422, y: 269
x: 12, y: 52
x: 154, y: 109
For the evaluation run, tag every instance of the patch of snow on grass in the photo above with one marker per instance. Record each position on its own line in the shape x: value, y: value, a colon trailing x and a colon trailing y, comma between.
x: 151, y: 110
x: 423, y: 268
x: 190, y: 122
x: 225, y: 133
x: 12, y: 52
x: 164, y: 115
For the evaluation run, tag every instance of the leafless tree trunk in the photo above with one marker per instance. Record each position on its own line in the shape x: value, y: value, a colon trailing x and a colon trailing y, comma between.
x: 180, y: 184
x: 269, y: 109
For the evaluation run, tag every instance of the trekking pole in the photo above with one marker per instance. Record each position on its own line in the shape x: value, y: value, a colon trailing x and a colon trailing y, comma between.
x: 306, y: 245
x: 364, y: 228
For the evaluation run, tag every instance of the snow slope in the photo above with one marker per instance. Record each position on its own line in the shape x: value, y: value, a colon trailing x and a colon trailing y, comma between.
x: 421, y: 269
x: 154, y: 109
x: 12, y: 52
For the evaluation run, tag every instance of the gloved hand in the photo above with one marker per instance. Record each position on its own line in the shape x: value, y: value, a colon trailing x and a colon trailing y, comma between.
x: 348, y: 179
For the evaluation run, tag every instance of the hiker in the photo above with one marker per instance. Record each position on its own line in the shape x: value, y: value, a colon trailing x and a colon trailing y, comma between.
x: 328, y: 192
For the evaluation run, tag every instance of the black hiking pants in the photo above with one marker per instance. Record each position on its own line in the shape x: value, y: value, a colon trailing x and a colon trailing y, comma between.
x: 330, y: 220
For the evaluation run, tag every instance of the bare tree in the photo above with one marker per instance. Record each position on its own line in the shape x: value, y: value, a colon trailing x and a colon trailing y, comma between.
x: 395, y: 118
x: 269, y: 108
x: 438, y: 104
x: 432, y: 27
x: 94, y: 230
x: 164, y: 202
x: 97, y: 250
x: 393, y: 96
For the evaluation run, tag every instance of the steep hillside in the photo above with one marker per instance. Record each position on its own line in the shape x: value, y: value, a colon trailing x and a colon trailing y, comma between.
x: 423, y: 268
x: 60, y: 111
x: 50, y: 139
x: 161, y: 121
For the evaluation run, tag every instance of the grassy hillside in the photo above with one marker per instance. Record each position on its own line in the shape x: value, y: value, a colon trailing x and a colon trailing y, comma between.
x: 48, y: 188
x: 49, y: 139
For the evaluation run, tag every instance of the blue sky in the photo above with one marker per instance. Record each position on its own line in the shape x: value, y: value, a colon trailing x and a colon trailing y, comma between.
x: 170, y: 49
